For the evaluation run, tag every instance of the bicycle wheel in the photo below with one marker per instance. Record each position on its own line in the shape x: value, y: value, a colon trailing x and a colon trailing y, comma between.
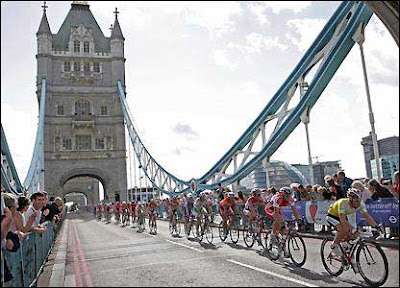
x: 372, y: 263
x: 171, y: 227
x: 297, y: 249
x: 209, y: 233
x: 221, y: 233
x: 248, y: 237
x: 273, y: 247
x: 332, y: 263
x: 151, y: 225
x: 234, y: 232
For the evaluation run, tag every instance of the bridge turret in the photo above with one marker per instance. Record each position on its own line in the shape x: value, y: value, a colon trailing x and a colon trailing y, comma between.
x: 44, y: 46
x: 117, y: 51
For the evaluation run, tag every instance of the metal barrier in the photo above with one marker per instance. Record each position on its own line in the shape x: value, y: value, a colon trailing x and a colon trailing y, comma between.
x: 26, y: 264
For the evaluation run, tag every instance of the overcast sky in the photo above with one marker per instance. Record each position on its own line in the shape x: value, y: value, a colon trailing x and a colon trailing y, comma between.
x: 198, y: 73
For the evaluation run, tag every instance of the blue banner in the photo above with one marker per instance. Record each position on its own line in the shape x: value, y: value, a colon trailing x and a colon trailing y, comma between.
x: 384, y: 211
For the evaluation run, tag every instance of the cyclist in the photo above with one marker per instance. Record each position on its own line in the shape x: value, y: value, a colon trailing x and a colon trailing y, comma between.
x: 133, y: 211
x: 225, y: 209
x: 340, y: 214
x: 153, y: 207
x: 174, y: 206
x: 124, y: 209
x: 273, y: 209
x: 252, y: 204
x: 201, y: 206
x: 187, y: 209
x: 117, y: 210
x: 140, y: 214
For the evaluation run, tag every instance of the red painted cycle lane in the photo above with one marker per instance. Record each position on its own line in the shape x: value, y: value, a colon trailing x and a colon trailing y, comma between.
x: 71, y: 244
x: 85, y: 268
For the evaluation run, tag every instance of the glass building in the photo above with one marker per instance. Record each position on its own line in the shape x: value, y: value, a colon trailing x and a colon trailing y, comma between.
x: 389, y: 165
x: 280, y: 174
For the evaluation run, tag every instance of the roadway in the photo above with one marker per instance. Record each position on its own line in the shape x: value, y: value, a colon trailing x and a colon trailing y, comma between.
x: 100, y: 254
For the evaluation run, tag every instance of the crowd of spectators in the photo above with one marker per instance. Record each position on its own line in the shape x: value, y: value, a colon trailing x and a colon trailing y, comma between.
x: 21, y: 215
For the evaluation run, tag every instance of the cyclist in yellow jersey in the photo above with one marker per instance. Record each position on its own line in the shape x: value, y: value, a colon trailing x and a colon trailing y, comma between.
x: 338, y: 216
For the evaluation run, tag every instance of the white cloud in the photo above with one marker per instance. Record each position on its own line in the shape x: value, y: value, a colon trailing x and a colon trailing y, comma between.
x: 256, y: 42
x: 279, y: 6
x: 221, y: 59
x: 258, y: 10
x: 305, y: 30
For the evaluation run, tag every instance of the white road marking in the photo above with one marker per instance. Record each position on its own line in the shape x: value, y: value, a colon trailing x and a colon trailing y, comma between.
x: 274, y: 274
x: 186, y: 246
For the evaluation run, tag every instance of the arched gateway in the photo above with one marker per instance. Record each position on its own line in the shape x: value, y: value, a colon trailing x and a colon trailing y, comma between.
x: 84, y: 130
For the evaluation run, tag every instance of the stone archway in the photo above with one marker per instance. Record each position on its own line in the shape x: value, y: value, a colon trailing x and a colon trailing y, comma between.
x: 107, y: 177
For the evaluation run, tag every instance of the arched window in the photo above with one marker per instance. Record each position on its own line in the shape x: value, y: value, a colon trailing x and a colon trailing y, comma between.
x: 77, y: 46
x: 82, y: 107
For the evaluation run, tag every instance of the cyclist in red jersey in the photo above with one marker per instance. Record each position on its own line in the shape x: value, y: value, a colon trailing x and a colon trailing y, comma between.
x: 153, y: 207
x: 273, y: 208
x: 117, y: 209
x: 174, y: 205
x: 252, y: 204
x: 133, y: 211
x: 225, y: 208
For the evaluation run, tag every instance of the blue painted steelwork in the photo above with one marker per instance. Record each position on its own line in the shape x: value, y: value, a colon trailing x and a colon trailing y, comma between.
x: 329, y: 49
x: 36, y: 169
x: 5, y: 150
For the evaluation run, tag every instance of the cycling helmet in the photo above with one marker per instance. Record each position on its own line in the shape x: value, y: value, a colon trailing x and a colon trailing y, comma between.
x: 354, y: 193
x: 231, y: 195
x: 123, y: 202
x: 189, y: 195
x: 202, y: 194
x: 256, y: 191
x: 285, y: 191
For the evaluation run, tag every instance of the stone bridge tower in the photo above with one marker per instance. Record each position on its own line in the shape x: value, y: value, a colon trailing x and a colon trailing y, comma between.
x: 84, y: 131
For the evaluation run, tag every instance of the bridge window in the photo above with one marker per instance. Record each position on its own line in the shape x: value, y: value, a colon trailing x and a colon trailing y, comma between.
x: 77, y: 46
x: 60, y: 110
x: 83, y: 142
x: 104, y: 110
x: 86, y: 46
x: 82, y: 107
x: 100, y: 144
x: 96, y: 67
x: 86, y: 67
x: 76, y: 67
x: 67, y: 144
x: 67, y: 66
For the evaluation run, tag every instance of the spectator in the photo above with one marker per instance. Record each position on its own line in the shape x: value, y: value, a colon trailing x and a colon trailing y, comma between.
x: 45, y: 210
x: 55, y: 208
x: 365, y: 193
x: 22, y: 225
x: 326, y: 179
x: 327, y: 195
x: 303, y: 193
x: 336, y: 189
x: 11, y: 202
x: 314, y: 195
x: 344, y: 182
x: 388, y: 184
x: 270, y: 192
x: 241, y: 197
x: 6, y: 221
x: 378, y: 191
x: 396, y: 185
x: 38, y: 199
x: 296, y: 192
x: 335, y: 178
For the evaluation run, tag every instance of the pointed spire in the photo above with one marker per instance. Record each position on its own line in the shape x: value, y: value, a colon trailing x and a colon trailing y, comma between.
x: 116, y: 31
x: 44, y: 26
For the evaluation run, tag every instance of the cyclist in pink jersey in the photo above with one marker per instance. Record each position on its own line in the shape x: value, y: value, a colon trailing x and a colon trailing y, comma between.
x: 273, y: 208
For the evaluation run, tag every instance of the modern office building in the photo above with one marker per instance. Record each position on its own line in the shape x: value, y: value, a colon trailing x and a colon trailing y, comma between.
x: 320, y: 170
x: 388, y: 154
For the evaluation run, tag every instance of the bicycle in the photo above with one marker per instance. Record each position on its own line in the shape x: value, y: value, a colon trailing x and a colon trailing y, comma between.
x: 153, y: 223
x: 205, y: 229
x: 370, y: 260
x: 256, y: 232
x: 292, y: 244
x: 108, y: 217
x: 175, y: 225
x: 189, y: 228
x: 117, y: 218
x: 232, y: 229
